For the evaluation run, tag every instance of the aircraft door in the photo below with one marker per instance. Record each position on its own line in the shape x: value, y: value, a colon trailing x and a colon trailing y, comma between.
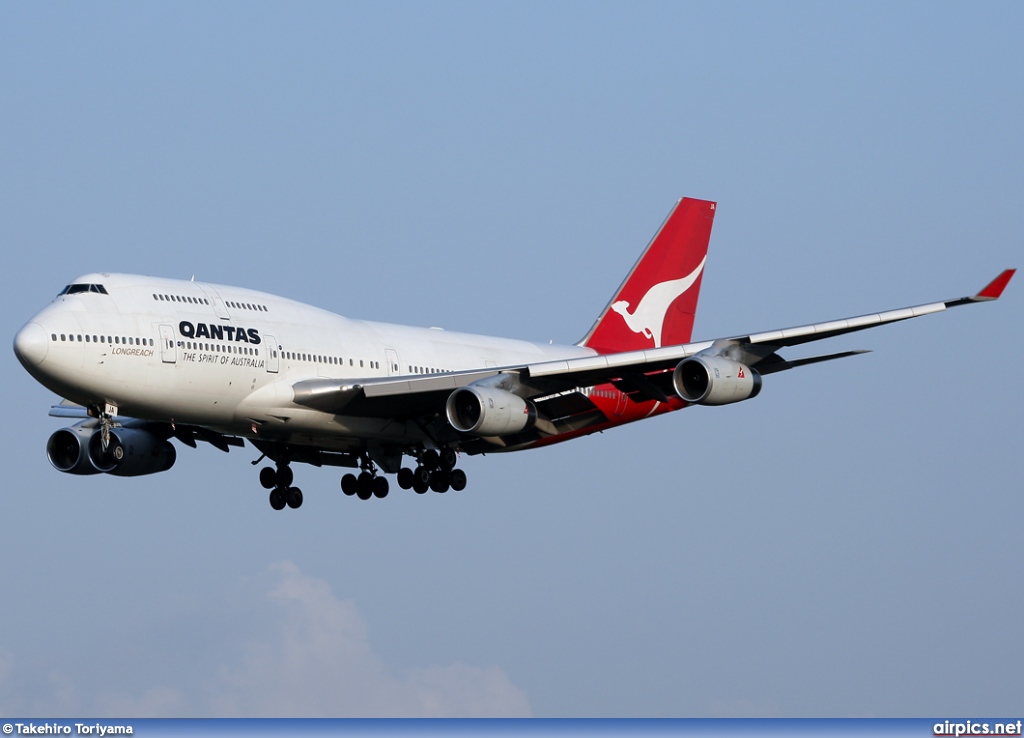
x: 273, y: 353
x: 168, y: 352
x: 394, y: 367
x: 218, y: 304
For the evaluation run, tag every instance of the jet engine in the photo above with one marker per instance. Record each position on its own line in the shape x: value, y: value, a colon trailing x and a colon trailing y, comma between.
x: 713, y: 380
x: 488, y: 411
x: 68, y: 450
x: 131, y: 452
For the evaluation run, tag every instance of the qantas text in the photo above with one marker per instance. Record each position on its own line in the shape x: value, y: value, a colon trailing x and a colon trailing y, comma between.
x: 219, y: 332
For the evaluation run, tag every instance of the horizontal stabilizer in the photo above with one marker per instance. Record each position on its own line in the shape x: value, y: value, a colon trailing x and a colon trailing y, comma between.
x: 68, y: 409
x: 776, y: 363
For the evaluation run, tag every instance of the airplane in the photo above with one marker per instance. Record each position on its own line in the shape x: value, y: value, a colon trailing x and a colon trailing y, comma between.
x: 141, y: 360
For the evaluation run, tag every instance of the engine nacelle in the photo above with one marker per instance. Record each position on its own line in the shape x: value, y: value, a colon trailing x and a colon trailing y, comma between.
x: 131, y: 452
x: 68, y: 450
x: 712, y: 380
x: 488, y: 411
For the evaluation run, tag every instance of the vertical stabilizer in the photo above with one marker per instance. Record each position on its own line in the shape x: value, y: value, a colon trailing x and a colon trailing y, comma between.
x: 655, y: 305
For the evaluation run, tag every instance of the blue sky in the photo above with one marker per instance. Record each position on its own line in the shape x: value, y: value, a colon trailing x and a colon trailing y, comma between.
x: 847, y: 543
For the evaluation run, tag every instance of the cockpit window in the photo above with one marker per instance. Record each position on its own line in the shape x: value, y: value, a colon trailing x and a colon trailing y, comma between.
x: 74, y: 289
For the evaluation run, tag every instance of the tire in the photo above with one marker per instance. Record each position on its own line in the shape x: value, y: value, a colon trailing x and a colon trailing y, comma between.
x: 268, y: 477
x: 449, y: 459
x: 285, y: 477
x: 431, y: 459
x: 380, y: 487
x: 277, y: 500
x: 422, y: 475
x: 458, y: 480
x: 439, y: 481
x: 349, y: 484
x: 405, y: 478
x: 364, y: 491
x: 419, y: 487
x: 294, y: 498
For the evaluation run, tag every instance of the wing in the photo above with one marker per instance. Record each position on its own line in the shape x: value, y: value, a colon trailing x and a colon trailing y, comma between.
x: 641, y: 375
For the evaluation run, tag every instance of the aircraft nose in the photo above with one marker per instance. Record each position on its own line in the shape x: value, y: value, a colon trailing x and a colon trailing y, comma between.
x: 31, y: 345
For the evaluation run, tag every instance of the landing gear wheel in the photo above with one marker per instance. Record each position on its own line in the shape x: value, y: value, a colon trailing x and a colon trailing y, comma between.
x: 284, y: 476
x: 277, y: 499
x: 380, y: 487
x: 294, y: 498
x: 419, y: 486
x: 421, y: 475
x: 458, y: 479
x: 268, y: 477
x: 439, y: 481
x: 349, y: 484
x: 449, y: 458
x: 405, y: 478
x: 431, y: 459
x: 365, y: 486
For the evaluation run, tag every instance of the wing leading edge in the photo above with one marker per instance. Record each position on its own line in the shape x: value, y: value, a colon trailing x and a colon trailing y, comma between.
x: 644, y: 372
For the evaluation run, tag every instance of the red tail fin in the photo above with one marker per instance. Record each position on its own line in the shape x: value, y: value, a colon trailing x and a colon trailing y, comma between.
x: 656, y: 304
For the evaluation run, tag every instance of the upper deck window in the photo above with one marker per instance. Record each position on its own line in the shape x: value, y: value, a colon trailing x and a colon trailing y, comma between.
x: 75, y: 289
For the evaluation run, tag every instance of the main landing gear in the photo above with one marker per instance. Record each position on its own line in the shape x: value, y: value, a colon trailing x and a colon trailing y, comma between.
x: 279, y: 481
x: 435, y: 471
x: 367, y: 484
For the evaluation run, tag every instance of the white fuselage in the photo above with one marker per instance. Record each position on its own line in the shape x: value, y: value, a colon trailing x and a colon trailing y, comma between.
x: 226, y: 358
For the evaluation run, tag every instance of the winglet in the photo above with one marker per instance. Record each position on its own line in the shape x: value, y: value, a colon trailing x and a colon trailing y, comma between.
x: 995, y: 288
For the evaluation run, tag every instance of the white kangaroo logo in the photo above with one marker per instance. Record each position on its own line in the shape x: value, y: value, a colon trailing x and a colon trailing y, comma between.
x: 649, y: 315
